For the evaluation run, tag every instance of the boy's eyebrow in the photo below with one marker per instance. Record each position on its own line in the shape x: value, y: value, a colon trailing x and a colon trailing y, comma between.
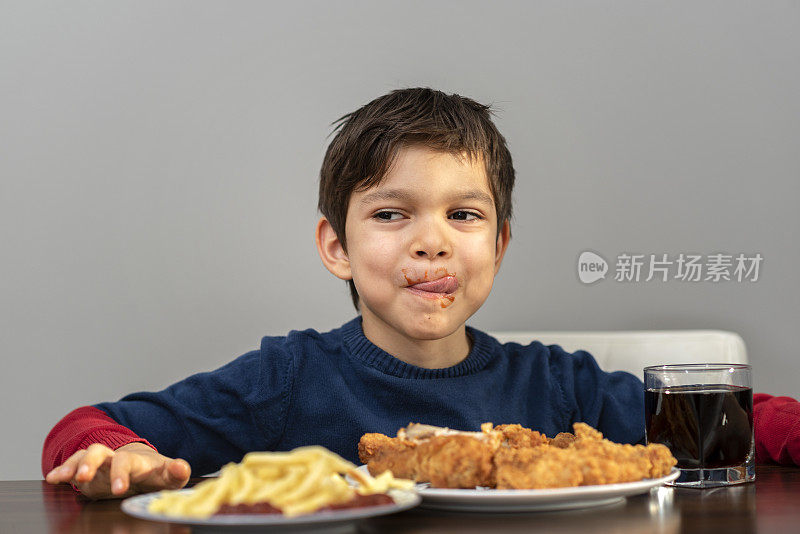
x: 399, y: 194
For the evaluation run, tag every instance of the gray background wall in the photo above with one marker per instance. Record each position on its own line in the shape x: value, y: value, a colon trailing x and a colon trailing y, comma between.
x: 158, y: 168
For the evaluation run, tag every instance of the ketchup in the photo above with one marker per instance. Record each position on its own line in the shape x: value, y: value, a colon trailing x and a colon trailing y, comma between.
x: 358, y: 501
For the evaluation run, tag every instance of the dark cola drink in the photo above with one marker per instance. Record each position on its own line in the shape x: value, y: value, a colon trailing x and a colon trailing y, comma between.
x: 705, y: 426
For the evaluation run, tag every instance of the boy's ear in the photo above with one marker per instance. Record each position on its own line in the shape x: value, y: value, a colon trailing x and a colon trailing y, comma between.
x: 502, y: 244
x: 331, y: 251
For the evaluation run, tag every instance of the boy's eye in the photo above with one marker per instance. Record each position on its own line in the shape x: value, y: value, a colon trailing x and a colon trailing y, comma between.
x: 462, y: 215
x: 388, y: 215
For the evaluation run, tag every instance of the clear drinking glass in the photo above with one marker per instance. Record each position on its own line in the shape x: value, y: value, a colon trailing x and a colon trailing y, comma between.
x: 704, y: 413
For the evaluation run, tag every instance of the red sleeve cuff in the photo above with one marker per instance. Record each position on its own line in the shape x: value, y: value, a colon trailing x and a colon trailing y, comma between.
x: 79, y: 429
x: 776, y: 422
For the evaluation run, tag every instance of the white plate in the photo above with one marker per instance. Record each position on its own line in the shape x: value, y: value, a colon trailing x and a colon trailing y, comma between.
x: 404, y: 499
x: 534, y: 500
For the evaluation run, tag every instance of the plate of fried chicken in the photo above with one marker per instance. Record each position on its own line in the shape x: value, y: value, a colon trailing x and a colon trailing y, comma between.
x: 509, y: 468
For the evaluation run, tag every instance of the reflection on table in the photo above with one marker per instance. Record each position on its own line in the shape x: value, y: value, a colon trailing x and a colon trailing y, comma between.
x: 769, y: 504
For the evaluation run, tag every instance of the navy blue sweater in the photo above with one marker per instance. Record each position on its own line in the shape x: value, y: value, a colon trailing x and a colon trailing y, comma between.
x: 330, y: 388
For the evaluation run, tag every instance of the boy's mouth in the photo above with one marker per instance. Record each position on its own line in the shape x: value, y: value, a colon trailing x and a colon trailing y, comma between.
x: 445, y: 285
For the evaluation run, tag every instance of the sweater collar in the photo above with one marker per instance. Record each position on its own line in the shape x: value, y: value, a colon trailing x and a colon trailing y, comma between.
x: 362, y: 348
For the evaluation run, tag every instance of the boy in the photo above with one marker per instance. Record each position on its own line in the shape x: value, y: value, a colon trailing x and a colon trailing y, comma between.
x: 415, y: 193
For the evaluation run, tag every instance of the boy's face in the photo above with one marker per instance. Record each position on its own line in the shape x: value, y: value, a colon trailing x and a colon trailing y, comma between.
x: 432, y: 218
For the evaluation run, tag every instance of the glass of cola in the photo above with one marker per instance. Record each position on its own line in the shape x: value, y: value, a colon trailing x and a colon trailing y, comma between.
x: 704, y: 413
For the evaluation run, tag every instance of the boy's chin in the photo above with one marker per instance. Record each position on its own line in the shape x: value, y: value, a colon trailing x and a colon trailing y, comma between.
x: 430, y: 329
x: 418, y: 324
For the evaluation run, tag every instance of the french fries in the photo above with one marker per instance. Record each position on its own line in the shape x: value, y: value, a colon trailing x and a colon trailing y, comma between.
x: 297, y: 482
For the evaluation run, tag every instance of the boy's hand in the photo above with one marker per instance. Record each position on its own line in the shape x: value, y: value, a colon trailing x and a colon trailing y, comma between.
x: 100, y: 473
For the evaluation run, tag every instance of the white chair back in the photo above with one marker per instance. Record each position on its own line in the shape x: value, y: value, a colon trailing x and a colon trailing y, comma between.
x: 634, y: 350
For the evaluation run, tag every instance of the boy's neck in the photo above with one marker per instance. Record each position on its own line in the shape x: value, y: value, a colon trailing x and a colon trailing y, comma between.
x: 426, y: 353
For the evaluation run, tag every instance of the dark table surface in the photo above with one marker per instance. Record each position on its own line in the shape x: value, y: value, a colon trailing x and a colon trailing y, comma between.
x: 771, y: 504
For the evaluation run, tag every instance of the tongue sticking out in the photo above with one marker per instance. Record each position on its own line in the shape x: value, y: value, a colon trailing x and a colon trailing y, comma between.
x: 447, y: 284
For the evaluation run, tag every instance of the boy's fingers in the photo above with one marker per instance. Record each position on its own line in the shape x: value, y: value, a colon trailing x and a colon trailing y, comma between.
x: 95, y: 456
x: 127, y: 471
x: 59, y: 474
x: 65, y: 471
x: 54, y: 476
x: 156, y: 472
x: 178, y: 473
x: 119, y: 473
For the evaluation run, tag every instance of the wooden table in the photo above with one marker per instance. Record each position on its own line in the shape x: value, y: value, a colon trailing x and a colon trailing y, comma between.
x: 771, y: 504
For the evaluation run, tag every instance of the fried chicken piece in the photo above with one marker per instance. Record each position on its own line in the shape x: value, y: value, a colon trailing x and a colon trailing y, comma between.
x: 562, y: 440
x: 453, y: 459
x: 517, y: 436
x: 456, y: 461
x: 587, y: 460
x: 661, y: 460
x: 606, y: 462
x: 381, y: 453
x: 584, y: 432
x: 535, y: 468
x: 446, y: 458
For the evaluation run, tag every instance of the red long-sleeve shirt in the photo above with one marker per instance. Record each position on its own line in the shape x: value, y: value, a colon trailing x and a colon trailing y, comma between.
x: 777, y: 429
x: 776, y: 421
x: 79, y: 429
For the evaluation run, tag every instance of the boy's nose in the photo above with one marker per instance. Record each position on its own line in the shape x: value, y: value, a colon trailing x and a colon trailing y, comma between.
x: 430, y: 243
x: 422, y: 253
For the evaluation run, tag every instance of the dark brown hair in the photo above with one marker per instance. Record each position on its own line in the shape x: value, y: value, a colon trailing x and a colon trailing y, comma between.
x: 368, y: 140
